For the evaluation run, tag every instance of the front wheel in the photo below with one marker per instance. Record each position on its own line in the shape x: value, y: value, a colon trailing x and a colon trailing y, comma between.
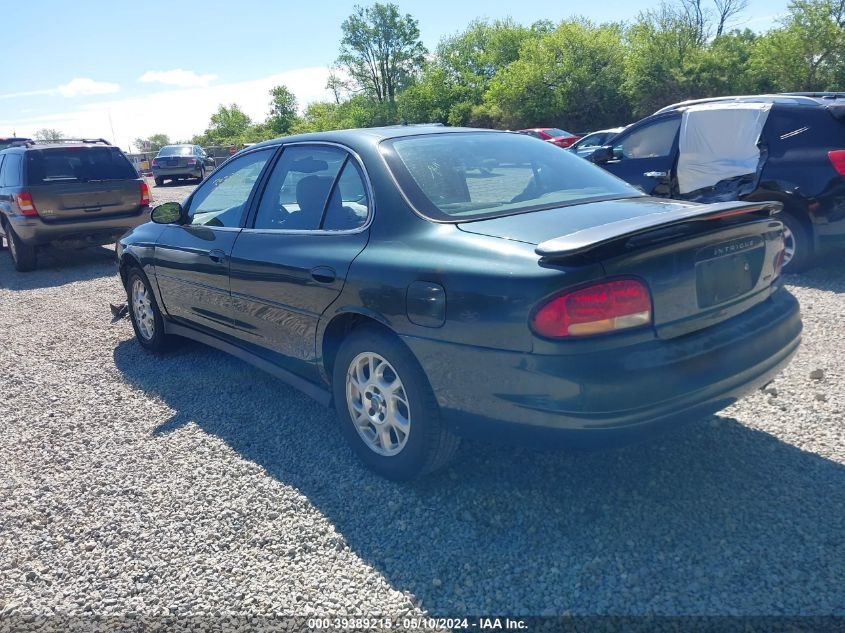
x: 386, y: 408
x: 144, y: 312
x: 797, y: 242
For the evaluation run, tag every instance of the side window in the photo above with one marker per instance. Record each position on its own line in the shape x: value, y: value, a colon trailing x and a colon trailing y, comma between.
x: 349, y: 203
x: 298, y: 188
x: 652, y: 141
x: 11, y: 171
x: 220, y: 201
x: 2, y: 157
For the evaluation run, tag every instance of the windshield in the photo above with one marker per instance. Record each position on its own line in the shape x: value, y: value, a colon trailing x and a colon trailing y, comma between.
x: 596, y: 139
x: 176, y: 150
x: 78, y: 164
x: 473, y: 175
x: 556, y: 131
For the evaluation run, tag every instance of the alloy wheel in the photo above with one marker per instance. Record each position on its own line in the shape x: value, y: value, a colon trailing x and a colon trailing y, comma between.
x: 378, y: 404
x: 143, y: 310
x: 788, y: 245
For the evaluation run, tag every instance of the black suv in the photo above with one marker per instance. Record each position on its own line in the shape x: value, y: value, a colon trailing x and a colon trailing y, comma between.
x: 72, y: 193
x: 801, y: 163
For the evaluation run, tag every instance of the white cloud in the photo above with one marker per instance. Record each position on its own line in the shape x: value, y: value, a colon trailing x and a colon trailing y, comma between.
x: 177, y: 77
x: 76, y: 87
x: 85, y: 87
x: 179, y: 113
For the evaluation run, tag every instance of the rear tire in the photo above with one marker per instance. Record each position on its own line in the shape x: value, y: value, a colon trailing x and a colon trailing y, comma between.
x: 159, y: 181
x: 377, y: 379
x: 24, y: 256
x: 146, y: 317
x: 798, y: 242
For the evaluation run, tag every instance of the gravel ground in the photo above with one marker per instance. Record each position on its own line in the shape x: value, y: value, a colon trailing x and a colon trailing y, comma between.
x: 193, y: 484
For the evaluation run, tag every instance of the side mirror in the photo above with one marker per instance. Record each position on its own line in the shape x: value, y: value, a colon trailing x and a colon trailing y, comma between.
x: 167, y: 213
x: 602, y: 154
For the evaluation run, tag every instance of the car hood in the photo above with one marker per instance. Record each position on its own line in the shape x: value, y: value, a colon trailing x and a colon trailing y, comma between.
x: 539, y: 226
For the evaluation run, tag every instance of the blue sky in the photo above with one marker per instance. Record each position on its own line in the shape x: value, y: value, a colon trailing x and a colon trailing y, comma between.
x: 165, y: 65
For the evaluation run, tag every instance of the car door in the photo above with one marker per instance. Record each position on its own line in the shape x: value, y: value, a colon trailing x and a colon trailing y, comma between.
x: 192, y: 259
x: 646, y: 155
x: 291, y: 262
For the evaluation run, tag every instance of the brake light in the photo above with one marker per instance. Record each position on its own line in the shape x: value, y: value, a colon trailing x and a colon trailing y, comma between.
x: 155, y: 163
x: 837, y: 159
x: 25, y: 204
x: 145, y: 195
x: 598, y: 309
x: 192, y: 161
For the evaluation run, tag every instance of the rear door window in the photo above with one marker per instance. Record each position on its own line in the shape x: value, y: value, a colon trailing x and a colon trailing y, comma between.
x: 78, y: 164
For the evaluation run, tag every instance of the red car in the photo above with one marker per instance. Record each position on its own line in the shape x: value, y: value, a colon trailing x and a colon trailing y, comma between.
x: 553, y: 135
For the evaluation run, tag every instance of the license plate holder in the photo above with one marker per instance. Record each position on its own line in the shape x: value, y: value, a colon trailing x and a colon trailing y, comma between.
x: 720, y: 279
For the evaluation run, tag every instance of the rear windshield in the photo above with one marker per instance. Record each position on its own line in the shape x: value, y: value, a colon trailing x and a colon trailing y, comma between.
x: 77, y: 164
x: 556, y: 131
x: 176, y: 150
x: 473, y: 175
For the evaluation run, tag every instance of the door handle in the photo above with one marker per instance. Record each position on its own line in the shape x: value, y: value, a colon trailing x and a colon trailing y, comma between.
x: 656, y: 174
x: 323, y: 274
x: 217, y: 256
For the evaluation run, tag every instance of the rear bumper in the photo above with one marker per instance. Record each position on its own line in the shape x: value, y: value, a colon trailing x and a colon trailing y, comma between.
x: 615, y: 396
x: 77, y: 232
x: 173, y: 172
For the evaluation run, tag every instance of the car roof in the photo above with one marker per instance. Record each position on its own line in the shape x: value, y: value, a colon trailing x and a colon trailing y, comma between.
x: 786, y: 98
x: 371, y: 135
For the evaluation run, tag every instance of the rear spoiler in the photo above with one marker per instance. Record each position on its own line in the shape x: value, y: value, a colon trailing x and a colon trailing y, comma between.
x: 596, y: 236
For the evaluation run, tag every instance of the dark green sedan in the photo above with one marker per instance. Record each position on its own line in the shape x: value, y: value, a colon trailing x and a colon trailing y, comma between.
x: 436, y: 283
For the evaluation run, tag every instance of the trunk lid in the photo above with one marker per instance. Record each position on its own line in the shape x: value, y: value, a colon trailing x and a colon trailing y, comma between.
x: 73, y: 200
x: 74, y: 182
x: 702, y: 263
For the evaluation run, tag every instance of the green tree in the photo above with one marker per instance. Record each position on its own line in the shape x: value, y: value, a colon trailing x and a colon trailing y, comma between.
x: 381, y: 50
x: 808, y: 52
x: 48, y: 134
x: 156, y: 141
x: 283, y: 110
x: 571, y: 78
x: 227, y: 126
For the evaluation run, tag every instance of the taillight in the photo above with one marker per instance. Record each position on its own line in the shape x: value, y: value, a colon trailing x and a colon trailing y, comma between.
x: 837, y: 159
x: 25, y: 204
x: 192, y: 161
x: 609, y: 306
x: 145, y: 194
x: 155, y: 163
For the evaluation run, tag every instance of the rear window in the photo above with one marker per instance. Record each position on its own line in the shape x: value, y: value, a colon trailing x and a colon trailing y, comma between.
x: 556, y: 131
x: 472, y: 175
x: 77, y: 164
x: 176, y: 150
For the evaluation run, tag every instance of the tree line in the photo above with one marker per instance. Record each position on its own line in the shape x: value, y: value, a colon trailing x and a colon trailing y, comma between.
x: 574, y: 74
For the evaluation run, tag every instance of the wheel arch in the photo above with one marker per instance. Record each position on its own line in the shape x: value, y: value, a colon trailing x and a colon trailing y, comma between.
x: 338, y: 328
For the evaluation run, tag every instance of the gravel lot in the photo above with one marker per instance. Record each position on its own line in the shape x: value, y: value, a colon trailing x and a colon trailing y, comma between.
x: 192, y: 484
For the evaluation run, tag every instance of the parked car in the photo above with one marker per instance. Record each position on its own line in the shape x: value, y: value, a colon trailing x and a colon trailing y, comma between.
x: 788, y: 148
x: 588, y: 143
x: 181, y: 161
x: 71, y: 194
x: 546, y: 299
x: 553, y: 135
x: 8, y: 141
